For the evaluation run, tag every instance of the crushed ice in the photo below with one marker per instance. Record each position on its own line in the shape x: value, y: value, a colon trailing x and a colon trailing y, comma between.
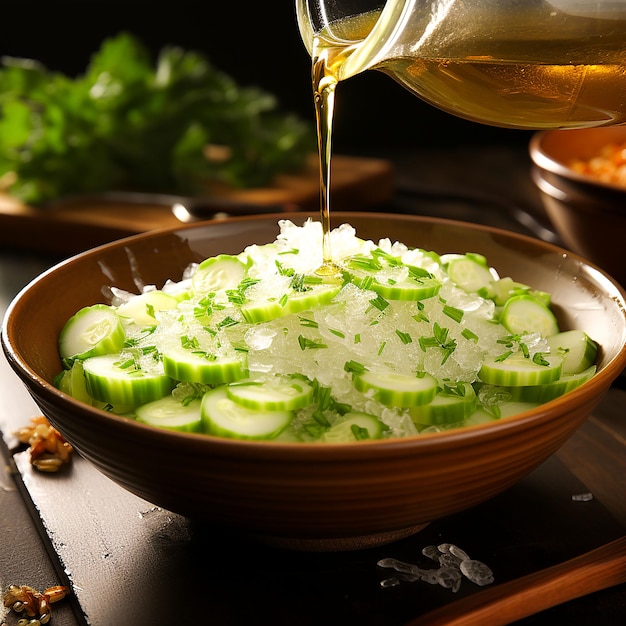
x: 454, y: 565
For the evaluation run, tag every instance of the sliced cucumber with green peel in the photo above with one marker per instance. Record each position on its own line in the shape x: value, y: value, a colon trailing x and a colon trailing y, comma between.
x: 143, y: 309
x: 217, y: 273
x: 502, y: 411
x: 544, y: 393
x: 578, y: 350
x: 262, y: 311
x: 451, y: 405
x: 526, y: 314
x: 410, y: 289
x: 223, y: 417
x: 196, y: 366
x: 401, y: 390
x: 505, y: 288
x: 279, y: 393
x: 73, y: 383
x: 470, y: 272
x: 390, y: 278
x: 110, y: 381
x: 291, y: 302
x: 355, y: 426
x: 172, y: 414
x: 313, y: 297
x: 93, y: 330
x: 518, y: 370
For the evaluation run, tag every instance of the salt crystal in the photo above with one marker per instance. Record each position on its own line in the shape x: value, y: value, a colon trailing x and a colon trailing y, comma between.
x: 260, y: 337
x: 400, y: 566
x: 477, y: 572
x: 449, y: 578
x: 448, y: 559
x: 460, y: 554
x: 430, y: 576
x: 454, y: 563
x: 431, y: 552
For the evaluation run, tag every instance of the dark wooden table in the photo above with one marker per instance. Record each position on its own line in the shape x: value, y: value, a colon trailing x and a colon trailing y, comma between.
x: 128, y: 562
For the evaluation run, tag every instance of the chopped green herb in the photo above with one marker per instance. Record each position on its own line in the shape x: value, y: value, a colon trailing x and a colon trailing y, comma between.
x: 227, y: 321
x: 308, y: 323
x: 405, y: 338
x: 379, y: 303
x: 354, y: 367
x: 469, y: 335
x: 307, y: 344
x: 360, y: 433
x: 189, y: 343
x: 503, y: 356
x: 453, y: 313
x: 539, y: 359
x: 421, y: 316
x: 439, y: 340
x: 297, y: 282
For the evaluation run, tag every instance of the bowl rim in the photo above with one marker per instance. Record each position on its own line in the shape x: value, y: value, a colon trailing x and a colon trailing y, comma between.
x: 600, y: 382
x: 544, y: 161
x: 546, y: 184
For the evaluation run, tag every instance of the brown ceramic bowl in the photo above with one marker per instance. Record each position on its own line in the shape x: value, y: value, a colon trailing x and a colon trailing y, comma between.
x: 588, y: 214
x: 313, y: 496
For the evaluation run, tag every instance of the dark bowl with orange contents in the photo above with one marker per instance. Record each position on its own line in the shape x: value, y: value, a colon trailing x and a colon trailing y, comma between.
x: 312, y: 496
x: 577, y: 173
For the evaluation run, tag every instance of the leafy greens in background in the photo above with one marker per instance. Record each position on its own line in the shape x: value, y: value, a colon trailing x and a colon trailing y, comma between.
x: 128, y: 123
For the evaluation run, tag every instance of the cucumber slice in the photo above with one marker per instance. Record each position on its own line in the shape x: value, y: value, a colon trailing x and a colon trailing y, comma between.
x: 389, y: 277
x: 196, y: 366
x: 73, y: 383
x: 401, y: 390
x: 262, y: 311
x: 578, y: 350
x: 172, y: 414
x: 518, y: 371
x: 293, y: 302
x: 317, y: 295
x: 539, y: 394
x: 409, y: 290
x: 355, y: 426
x: 223, y: 417
x: 480, y: 416
x: 142, y: 309
x: 275, y: 394
x: 505, y: 409
x: 93, y: 330
x: 502, y: 289
x: 526, y: 314
x: 470, y: 272
x: 450, y: 405
x: 115, y: 385
x: 216, y: 273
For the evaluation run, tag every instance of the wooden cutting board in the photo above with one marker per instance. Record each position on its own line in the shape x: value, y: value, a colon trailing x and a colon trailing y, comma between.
x: 74, y: 226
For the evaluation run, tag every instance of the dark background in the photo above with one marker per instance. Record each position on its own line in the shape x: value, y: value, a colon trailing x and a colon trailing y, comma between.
x: 257, y: 43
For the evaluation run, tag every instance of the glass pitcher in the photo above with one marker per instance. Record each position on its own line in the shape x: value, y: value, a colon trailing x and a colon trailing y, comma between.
x: 530, y: 64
